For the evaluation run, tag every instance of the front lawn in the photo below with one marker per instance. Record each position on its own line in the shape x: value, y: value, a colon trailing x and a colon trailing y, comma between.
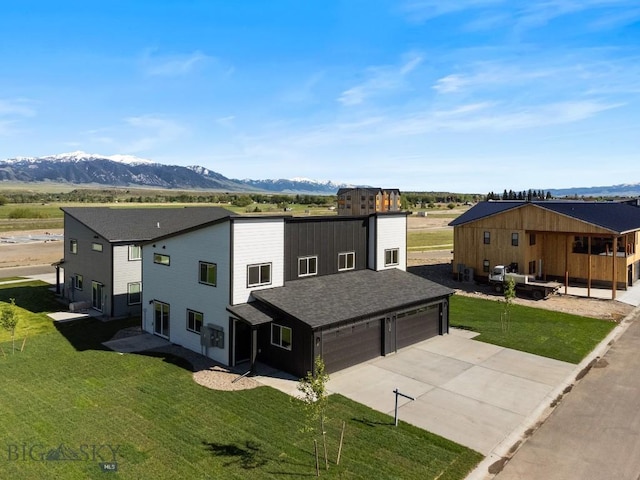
x: 67, y: 404
x: 542, y: 332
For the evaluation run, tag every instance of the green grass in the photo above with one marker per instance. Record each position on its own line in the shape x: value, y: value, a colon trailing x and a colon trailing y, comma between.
x: 11, y: 279
x: 431, y: 240
x: 542, y: 332
x: 33, y: 302
x: 66, y: 389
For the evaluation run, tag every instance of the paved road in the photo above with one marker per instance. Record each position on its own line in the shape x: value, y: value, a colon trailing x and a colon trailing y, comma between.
x: 594, y: 433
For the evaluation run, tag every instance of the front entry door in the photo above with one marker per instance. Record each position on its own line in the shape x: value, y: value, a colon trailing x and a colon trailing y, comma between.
x: 161, y: 319
x: 242, y: 342
x: 96, y: 295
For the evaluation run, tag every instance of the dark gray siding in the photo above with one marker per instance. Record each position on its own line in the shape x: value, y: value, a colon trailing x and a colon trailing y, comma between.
x: 324, y: 238
x: 93, y: 266
x: 298, y: 360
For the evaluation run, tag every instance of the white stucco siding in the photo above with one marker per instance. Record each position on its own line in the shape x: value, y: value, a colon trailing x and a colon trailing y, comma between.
x: 256, y: 241
x: 178, y: 285
x: 391, y: 233
x: 125, y: 271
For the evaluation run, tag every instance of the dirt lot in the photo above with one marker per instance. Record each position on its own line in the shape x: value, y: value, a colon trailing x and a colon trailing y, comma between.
x: 434, y: 265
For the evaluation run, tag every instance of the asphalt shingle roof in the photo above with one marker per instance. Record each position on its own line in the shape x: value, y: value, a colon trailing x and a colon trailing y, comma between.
x: 330, y: 299
x: 144, y: 224
x: 254, y: 313
x: 613, y: 216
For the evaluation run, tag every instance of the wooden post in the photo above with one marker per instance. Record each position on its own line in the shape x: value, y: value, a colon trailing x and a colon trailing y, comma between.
x: 340, y: 447
x: 614, y: 283
x: 589, y: 266
x: 3, y: 354
x: 315, y: 446
x: 566, y: 265
x: 324, y: 442
x: 23, y: 342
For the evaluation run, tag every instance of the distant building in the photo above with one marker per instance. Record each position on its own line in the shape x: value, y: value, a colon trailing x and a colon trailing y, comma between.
x: 365, y: 201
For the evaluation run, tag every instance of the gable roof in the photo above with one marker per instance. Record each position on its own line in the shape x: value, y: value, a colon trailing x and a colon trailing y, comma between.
x: 614, y: 216
x: 143, y: 224
x: 331, y: 299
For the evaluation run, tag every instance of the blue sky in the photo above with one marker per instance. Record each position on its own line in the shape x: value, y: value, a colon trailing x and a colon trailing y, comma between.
x: 465, y: 96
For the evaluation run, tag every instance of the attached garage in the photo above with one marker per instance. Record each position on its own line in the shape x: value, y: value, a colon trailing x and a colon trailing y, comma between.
x: 418, y: 324
x: 351, y: 317
x: 352, y: 344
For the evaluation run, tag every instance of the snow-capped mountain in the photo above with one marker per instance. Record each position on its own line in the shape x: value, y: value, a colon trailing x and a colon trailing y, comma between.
x: 127, y: 170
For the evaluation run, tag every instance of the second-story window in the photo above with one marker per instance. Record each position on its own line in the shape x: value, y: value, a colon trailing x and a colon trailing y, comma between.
x: 487, y: 238
x: 208, y: 273
x: 346, y: 261
x: 135, y: 252
x: 514, y: 239
x: 259, y: 274
x: 307, y: 266
x: 73, y: 245
x: 96, y: 247
x: 161, y: 259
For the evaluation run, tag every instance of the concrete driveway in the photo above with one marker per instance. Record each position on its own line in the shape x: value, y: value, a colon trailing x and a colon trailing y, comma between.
x: 471, y: 392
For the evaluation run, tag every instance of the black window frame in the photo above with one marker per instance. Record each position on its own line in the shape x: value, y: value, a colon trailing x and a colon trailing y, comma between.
x: 486, y: 265
x: 532, y: 239
x: 278, y: 342
x: 192, y: 321
x: 78, y: 282
x: 486, y: 238
x: 158, y: 256
x: 515, y: 239
x: 97, y: 247
x: 202, y: 264
x: 73, y: 246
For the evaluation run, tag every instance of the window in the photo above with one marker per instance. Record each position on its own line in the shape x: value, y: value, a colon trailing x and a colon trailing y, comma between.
x: 391, y: 257
x: 485, y: 265
x: 135, y: 252
x: 78, y: 282
x: 96, y: 247
x: 346, y: 261
x: 514, y: 239
x: 259, y: 274
x: 532, y: 267
x: 307, y: 266
x: 487, y: 238
x: 532, y: 239
x: 161, y: 259
x: 73, y: 246
x: 134, y: 291
x: 208, y: 273
x: 281, y: 336
x: 194, y: 321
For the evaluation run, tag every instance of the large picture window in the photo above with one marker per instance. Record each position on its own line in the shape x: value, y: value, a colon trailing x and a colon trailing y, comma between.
x: 391, y: 257
x: 208, y: 273
x: 346, y: 261
x: 194, y: 321
x: 259, y: 274
x: 281, y: 336
x: 307, y: 266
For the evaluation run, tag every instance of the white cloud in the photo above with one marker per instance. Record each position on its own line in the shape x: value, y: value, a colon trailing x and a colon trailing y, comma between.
x: 155, y: 131
x: 16, y: 107
x: 381, y: 79
x: 172, y: 65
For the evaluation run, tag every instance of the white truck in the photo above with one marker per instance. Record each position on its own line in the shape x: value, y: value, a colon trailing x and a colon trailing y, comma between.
x: 501, y: 274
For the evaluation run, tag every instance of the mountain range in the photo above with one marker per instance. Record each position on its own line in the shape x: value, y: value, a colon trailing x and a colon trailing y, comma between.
x: 128, y: 170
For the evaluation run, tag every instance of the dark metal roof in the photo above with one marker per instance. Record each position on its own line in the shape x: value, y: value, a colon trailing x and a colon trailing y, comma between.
x: 616, y: 217
x: 330, y: 299
x: 254, y: 313
x: 144, y: 224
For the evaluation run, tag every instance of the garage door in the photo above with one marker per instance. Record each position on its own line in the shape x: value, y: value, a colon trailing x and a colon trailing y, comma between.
x: 352, y: 344
x: 417, y: 325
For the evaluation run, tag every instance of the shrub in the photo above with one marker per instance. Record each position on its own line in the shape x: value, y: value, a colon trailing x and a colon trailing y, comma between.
x: 25, y: 213
x: 451, y: 206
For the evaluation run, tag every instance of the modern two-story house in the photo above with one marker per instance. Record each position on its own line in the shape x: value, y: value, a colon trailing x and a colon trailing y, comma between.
x: 103, y: 258
x: 282, y: 290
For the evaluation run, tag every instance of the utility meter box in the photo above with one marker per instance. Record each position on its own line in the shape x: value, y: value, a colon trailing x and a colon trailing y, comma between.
x: 212, y: 336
